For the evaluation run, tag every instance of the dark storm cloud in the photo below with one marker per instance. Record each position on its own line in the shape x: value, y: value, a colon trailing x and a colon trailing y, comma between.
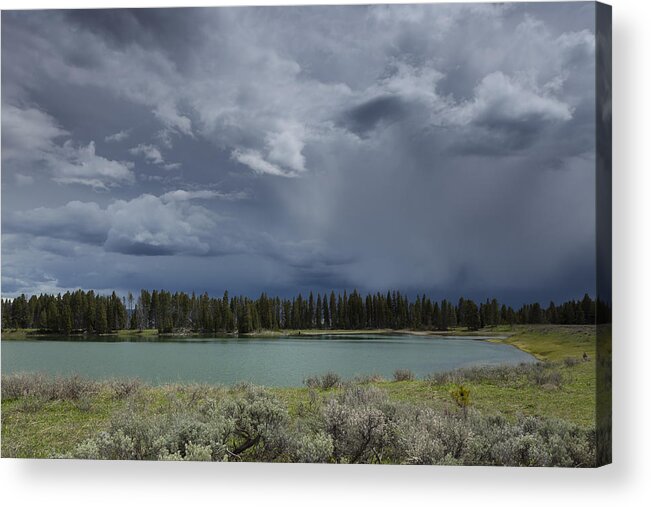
x: 366, y: 116
x: 174, y: 31
x: 439, y: 148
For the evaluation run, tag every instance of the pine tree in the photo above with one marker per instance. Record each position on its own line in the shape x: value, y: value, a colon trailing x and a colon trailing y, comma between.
x: 310, y: 312
x: 101, y: 319
x: 495, y: 312
x: 318, y: 317
x: 53, y: 317
x: 326, y: 313
x: 245, y: 320
x: 471, y: 315
x: 66, y: 320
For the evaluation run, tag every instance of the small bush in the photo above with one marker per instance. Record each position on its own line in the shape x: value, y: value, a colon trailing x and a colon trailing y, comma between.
x: 547, y: 378
x: 357, y: 425
x: 571, y: 361
x: 369, y: 379
x: 259, y: 422
x: 312, y: 448
x: 402, y: 375
x: 73, y: 388
x: 123, y: 388
x: 461, y: 396
x: 328, y: 380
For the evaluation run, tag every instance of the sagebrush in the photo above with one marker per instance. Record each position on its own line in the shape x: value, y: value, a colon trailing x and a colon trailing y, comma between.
x: 352, y: 424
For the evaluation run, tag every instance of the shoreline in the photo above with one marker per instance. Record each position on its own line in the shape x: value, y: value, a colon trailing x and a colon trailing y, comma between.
x: 33, y: 334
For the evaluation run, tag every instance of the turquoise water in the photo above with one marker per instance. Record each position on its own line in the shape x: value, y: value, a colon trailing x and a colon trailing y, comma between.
x: 278, y: 361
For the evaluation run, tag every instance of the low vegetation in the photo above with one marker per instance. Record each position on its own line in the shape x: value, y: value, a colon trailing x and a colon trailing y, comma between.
x: 326, y: 381
x: 354, y: 424
x: 403, y: 375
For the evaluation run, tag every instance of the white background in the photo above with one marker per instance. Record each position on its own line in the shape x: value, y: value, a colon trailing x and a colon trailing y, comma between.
x: 626, y: 482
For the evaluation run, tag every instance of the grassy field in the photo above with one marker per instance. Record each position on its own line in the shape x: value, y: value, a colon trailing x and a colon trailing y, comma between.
x: 137, y: 333
x: 562, y: 387
x: 19, y: 334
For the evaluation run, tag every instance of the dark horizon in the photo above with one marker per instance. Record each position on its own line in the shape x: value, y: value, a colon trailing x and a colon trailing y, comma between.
x: 445, y: 149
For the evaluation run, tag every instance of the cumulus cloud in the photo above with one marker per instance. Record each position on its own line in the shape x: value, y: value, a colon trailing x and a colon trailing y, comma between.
x: 254, y: 160
x: 500, y: 99
x: 146, y: 225
x: 187, y: 195
x: 149, y: 226
x: 153, y: 155
x: 167, y: 113
x: 81, y: 165
x: 118, y: 136
x: 32, y: 137
x: 27, y: 134
x: 84, y: 222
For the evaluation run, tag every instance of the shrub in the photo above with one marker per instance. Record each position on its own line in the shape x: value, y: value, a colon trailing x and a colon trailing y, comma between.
x: 500, y: 375
x: 461, y: 396
x: 123, y: 388
x: 357, y: 431
x: 249, y: 424
x: 541, y: 377
x: 48, y: 388
x: 358, y: 424
x: 19, y: 385
x: 369, y: 379
x: 328, y: 380
x: 402, y: 375
x: 571, y: 361
x: 259, y: 420
x: 312, y: 448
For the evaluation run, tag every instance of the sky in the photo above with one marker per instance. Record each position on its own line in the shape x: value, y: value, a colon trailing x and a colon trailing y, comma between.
x: 445, y: 149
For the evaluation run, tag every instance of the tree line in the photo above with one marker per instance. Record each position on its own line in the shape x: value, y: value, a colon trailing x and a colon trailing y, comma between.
x: 86, y: 311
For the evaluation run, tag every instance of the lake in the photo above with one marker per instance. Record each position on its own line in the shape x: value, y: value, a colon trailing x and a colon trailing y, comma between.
x: 278, y: 361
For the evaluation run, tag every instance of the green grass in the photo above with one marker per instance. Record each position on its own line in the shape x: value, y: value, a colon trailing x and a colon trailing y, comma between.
x: 19, y: 334
x: 574, y: 401
x: 137, y: 332
x: 36, y: 428
x: 550, y: 343
x: 28, y: 334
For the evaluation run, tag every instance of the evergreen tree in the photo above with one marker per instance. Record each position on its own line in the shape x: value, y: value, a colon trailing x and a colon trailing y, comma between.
x: 310, y: 312
x: 326, y: 313
x: 318, y: 317
x: 101, y: 320
x: 471, y: 315
x: 52, y: 316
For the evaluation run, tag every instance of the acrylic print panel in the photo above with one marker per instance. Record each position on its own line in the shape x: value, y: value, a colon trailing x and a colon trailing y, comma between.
x: 352, y: 234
